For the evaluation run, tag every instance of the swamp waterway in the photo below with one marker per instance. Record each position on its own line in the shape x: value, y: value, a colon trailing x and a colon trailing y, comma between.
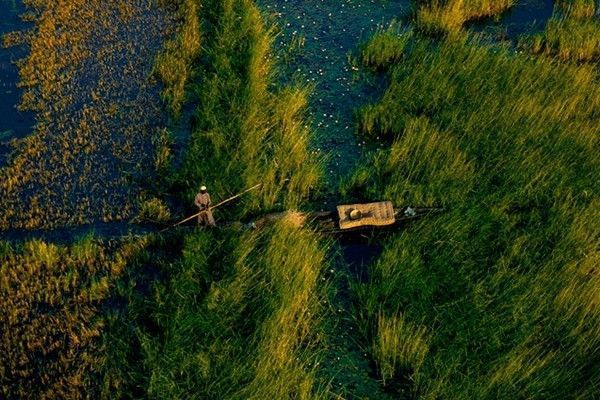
x: 97, y: 114
x: 13, y: 123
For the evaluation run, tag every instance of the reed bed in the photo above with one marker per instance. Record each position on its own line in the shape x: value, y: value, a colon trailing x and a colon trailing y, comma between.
x: 227, y: 313
x: 247, y: 130
x: 234, y: 316
x: 494, y: 298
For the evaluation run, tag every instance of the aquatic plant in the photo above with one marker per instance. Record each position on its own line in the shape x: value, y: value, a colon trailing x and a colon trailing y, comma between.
x: 501, y: 281
x: 97, y: 116
x: 174, y: 66
x: 236, y: 316
x: 247, y: 132
x: 153, y: 210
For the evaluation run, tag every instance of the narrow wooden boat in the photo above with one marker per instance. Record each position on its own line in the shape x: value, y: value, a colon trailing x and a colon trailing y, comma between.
x: 352, y: 217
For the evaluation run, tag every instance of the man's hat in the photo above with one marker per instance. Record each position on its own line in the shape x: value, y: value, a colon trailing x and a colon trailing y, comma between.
x: 203, y: 188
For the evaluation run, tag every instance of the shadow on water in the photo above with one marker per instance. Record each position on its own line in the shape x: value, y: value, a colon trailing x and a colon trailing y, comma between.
x: 358, y: 255
x: 13, y: 123
x: 525, y: 17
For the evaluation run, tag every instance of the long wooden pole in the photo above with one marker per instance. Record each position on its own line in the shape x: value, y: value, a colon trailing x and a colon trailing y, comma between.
x: 213, y: 207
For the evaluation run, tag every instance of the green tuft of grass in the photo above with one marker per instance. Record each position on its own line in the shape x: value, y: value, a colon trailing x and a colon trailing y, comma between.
x: 154, y: 210
x: 384, y: 48
x: 174, y: 65
x: 398, y: 347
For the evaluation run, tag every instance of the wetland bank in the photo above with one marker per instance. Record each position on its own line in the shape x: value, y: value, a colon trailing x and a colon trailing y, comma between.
x: 497, y: 297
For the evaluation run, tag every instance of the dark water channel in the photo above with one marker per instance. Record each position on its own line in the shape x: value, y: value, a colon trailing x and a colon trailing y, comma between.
x: 13, y: 123
x: 525, y: 17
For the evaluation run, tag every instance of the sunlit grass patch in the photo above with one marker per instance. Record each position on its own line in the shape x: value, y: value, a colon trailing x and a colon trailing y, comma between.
x: 86, y: 77
x: 398, y: 347
x: 248, y: 132
x: 384, y: 48
x: 447, y: 17
x: 153, y: 210
x: 174, y: 66
x: 236, y: 316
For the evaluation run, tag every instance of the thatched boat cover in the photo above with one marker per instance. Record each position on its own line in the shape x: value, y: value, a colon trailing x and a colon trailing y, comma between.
x: 373, y: 214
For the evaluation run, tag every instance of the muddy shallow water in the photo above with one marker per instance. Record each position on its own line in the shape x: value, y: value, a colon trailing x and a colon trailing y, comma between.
x: 13, y: 123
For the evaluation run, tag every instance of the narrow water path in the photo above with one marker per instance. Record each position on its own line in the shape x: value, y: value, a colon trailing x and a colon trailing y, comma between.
x: 316, y: 42
x: 316, y: 39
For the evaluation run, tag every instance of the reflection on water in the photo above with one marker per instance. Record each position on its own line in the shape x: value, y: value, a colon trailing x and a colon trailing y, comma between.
x: 12, y: 122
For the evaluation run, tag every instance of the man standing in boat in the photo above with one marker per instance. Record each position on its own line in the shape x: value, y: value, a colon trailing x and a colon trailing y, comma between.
x: 202, y: 201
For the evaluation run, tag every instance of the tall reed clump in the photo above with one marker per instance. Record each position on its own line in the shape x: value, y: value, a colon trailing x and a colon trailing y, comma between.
x: 500, y: 286
x: 235, y: 316
x: 573, y: 33
x: 174, y: 65
x: 52, y: 319
x: 247, y: 131
x: 447, y: 17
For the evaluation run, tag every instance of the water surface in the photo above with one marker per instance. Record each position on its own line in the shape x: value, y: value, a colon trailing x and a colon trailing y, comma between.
x: 525, y: 17
x: 13, y: 123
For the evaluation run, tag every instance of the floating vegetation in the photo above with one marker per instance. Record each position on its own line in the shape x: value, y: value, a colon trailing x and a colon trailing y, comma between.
x: 174, y: 65
x: 86, y: 77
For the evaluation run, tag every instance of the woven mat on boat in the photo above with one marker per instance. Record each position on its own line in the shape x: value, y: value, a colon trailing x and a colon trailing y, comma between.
x: 373, y: 214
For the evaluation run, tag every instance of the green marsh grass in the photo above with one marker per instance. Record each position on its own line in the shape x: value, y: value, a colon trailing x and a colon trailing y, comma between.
x: 503, y: 282
x: 223, y: 313
x: 154, y: 210
x: 198, y: 313
x: 236, y: 316
x: 247, y: 130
